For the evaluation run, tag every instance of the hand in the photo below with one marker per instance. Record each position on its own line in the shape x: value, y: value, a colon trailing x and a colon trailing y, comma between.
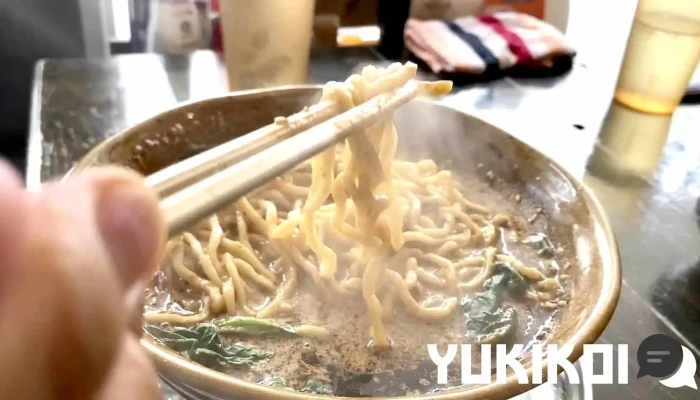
x: 74, y: 260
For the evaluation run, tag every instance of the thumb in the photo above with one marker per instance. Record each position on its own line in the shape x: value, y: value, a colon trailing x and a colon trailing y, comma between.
x: 78, y: 247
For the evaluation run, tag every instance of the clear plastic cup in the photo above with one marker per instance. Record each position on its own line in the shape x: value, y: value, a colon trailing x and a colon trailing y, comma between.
x: 630, y: 145
x: 266, y: 42
x: 661, y: 55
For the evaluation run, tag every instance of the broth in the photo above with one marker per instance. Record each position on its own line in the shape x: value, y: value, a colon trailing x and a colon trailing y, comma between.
x: 344, y: 364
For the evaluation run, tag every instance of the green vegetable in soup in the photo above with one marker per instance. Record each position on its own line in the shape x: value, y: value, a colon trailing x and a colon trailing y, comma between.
x: 203, y: 345
x: 251, y: 326
x: 274, y: 381
x: 507, y: 279
x: 495, y: 327
x: 317, y: 387
x: 488, y: 319
x: 541, y: 243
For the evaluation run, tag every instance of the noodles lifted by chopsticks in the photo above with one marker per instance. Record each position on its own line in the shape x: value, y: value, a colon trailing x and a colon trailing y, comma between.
x: 352, y: 220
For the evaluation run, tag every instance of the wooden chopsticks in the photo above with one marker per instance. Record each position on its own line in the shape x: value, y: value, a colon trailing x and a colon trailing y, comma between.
x: 199, y: 186
x: 187, y: 172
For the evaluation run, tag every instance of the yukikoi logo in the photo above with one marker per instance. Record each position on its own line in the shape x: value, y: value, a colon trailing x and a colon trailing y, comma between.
x: 658, y: 356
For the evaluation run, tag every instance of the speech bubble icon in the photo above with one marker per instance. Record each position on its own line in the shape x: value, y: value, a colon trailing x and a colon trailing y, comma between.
x: 659, y: 356
x: 685, y: 376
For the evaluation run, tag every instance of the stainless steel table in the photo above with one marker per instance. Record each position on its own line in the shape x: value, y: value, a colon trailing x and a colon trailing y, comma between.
x: 78, y: 103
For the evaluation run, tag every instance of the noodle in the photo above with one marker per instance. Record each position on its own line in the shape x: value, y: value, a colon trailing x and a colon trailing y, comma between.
x: 229, y: 292
x: 285, y: 291
x: 311, y: 331
x: 351, y: 220
x: 485, y: 273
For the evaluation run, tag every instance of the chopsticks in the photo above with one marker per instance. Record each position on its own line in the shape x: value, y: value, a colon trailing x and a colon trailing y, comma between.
x: 198, y: 167
x: 187, y: 172
x: 199, y: 186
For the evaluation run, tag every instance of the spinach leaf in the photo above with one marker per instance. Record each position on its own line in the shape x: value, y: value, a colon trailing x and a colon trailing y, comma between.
x: 488, y: 320
x: 541, y: 243
x: 510, y: 279
x: 492, y: 327
x: 178, y: 341
x: 202, y: 344
x: 251, y: 326
x: 274, y: 381
x: 317, y: 387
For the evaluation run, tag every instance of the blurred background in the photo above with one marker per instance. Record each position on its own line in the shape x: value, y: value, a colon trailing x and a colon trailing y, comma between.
x: 36, y: 29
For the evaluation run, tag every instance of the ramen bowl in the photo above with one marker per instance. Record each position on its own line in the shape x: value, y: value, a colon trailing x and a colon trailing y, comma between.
x: 488, y: 157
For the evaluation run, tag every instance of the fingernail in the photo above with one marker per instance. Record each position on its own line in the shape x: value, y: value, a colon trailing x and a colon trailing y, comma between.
x: 129, y: 222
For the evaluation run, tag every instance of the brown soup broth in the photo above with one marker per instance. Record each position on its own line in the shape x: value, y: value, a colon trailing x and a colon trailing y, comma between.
x: 345, y: 363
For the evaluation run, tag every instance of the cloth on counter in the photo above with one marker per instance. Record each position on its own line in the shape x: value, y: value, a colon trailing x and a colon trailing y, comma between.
x: 489, y: 46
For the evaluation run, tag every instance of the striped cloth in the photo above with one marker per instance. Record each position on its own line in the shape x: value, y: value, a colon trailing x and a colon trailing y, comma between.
x: 492, y: 44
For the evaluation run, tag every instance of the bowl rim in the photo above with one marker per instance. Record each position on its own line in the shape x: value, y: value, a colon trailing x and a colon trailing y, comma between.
x: 84, y: 161
x: 184, y: 370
